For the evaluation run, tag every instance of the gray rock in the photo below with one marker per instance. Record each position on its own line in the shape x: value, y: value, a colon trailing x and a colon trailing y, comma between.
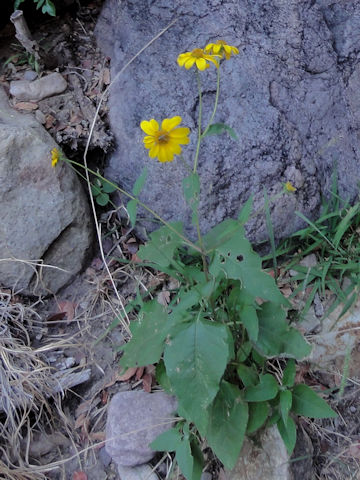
x: 44, y: 213
x: 30, y: 75
x: 134, y: 420
x: 289, y: 95
x: 206, y: 476
x: 140, y: 472
x: 267, y: 459
x: 38, y: 89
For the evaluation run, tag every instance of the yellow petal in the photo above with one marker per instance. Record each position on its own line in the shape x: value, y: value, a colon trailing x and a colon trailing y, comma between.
x: 201, y: 64
x: 162, y: 155
x: 148, y: 140
x: 170, y: 123
x: 182, y: 59
x: 212, y: 59
x: 154, y: 151
x: 217, y: 48
x: 189, y: 63
x: 179, y: 132
x: 150, y: 128
x: 175, y: 148
x: 208, y: 47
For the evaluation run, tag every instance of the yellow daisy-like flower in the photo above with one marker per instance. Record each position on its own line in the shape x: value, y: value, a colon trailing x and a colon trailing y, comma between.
x: 222, y: 48
x: 55, y: 155
x: 289, y: 187
x: 199, y: 57
x: 164, y: 142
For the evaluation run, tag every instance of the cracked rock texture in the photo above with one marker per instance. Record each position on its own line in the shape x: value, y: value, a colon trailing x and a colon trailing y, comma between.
x: 44, y: 213
x: 292, y: 96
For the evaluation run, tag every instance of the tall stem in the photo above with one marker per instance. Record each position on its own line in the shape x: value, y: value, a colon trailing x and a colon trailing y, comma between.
x: 124, y: 192
x: 199, y: 123
x: 215, y: 104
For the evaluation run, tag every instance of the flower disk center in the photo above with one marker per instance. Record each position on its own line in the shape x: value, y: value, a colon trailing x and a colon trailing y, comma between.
x: 197, y: 53
x: 162, y: 137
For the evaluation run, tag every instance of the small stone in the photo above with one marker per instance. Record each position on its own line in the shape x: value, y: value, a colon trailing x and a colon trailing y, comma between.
x: 309, y: 261
x: 206, y: 476
x: 352, y: 409
x: 38, y: 89
x: 30, y: 75
x: 134, y: 420
x: 141, y: 472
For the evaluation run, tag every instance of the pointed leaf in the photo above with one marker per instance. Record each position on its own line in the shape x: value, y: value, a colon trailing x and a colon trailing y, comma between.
x: 285, y: 404
x: 249, y: 319
x: 148, y: 335
x: 306, y: 402
x: 245, y: 212
x: 266, y: 389
x: 140, y: 182
x: 168, y: 441
x: 185, y: 458
x: 247, y: 375
x: 289, y: 374
x: 195, y: 361
x: 162, y: 245
x: 228, y: 417
x: 107, y: 186
x: 275, y: 335
x: 258, y: 413
x: 288, y: 433
x: 218, y: 128
x: 131, y: 208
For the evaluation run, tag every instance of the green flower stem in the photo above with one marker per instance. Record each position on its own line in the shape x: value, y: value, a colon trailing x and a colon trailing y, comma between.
x: 215, y: 105
x: 199, y: 123
x: 170, y: 227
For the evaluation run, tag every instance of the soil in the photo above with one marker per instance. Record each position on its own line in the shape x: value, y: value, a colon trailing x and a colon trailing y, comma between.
x: 85, y: 315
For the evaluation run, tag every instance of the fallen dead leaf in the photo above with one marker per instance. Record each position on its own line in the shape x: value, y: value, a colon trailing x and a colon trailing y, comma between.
x: 286, y: 291
x: 67, y: 307
x: 26, y: 106
x: 163, y: 298
x: 106, y: 76
x: 147, y: 382
x: 130, y: 372
x: 139, y: 373
x: 49, y: 121
x: 56, y: 317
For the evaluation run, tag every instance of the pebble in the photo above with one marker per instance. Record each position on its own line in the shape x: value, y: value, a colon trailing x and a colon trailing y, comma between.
x: 352, y: 409
x: 36, y: 90
x: 140, y: 472
x: 206, y: 476
x: 30, y: 75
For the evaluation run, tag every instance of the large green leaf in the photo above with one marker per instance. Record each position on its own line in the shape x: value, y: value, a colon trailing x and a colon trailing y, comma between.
x: 140, y: 182
x: 195, y: 360
x: 218, y: 128
x: 276, y: 337
x: 148, y: 335
x: 306, y: 402
x: 289, y: 374
x: 285, y: 404
x: 266, y: 389
x: 168, y: 441
x: 228, y: 417
x: 162, y: 245
x: 191, y: 189
x: 234, y: 257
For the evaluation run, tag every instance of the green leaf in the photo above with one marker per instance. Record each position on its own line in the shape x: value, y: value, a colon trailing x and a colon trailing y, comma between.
x: 306, y: 402
x: 288, y: 433
x: 218, y: 128
x: 162, y: 245
x: 258, y: 413
x: 345, y: 224
x: 107, y: 186
x: 244, y: 351
x: 228, y: 417
x: 191, y: 189
x: 266, y: 389
x: 244, y: 214
x: 131, y: 208
x: 17, y: 4
x: 198, y: 460
x: 247, y: 375
x: 95, y: 190
x: 289, y: 374
x: 285, y: 404
x: 168, y: 441
x: 276, y: 337
x: 195, y: 360
x: 49, y: 8
x: 102, y: 199
x: 162, y: 378
x: 185, y: 458
x: 250, y: 320
x: 140, y: 182
x: 234, y: 257
x: 148, y: 336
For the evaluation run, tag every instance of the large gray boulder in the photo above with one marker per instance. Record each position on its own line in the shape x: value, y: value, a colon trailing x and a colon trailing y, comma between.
x: 291, y: 95
x: 44, y: 214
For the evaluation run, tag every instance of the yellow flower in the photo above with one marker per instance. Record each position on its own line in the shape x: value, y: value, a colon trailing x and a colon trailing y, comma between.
x: 55, y: 155
x: 288, y: 187
x: 197, y: 56
x: 221, y: 47
x: 164, y: 142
